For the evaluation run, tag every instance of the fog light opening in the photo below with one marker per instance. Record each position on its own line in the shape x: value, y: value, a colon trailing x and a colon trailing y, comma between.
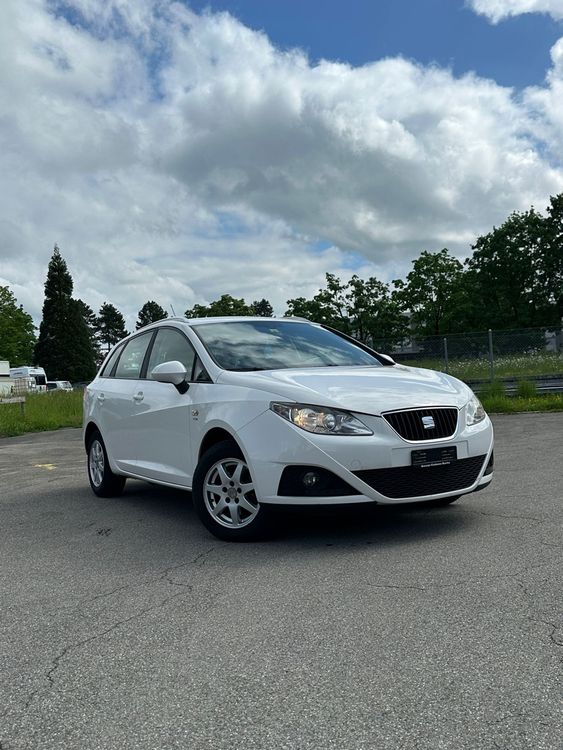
x: 311, y: 479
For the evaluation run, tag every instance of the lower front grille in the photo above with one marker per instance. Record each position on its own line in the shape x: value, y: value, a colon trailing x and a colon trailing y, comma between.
x: 414, y: 481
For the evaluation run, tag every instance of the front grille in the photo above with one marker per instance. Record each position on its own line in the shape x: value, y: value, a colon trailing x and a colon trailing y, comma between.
x: 410, y: 425
x: 414, y: 481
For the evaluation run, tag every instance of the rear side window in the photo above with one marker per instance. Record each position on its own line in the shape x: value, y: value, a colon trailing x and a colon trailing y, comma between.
x: 171, y: 345
x: 131, y: 361
x: 108, y: 367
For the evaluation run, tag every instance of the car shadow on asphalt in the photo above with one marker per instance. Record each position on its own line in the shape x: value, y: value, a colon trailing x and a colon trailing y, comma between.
x: 318, y: 526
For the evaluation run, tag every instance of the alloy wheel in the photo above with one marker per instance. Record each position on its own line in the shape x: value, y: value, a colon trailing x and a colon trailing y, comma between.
x: 229, y: 493
x: 96, y: 463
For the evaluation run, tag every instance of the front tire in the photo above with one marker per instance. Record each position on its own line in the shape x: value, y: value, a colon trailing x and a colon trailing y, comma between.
x: 224, y: 496
x: 103, y: 481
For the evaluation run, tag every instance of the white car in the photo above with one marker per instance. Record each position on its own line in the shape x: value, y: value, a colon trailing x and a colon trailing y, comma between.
x: 59, y: 385
x: 253, y: 412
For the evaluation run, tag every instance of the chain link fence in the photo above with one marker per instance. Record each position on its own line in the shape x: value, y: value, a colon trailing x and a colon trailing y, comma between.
x: 531, y: 353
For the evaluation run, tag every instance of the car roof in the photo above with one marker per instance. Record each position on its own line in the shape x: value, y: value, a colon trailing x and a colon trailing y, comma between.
x: 236, y: 319
x: 208, y: 321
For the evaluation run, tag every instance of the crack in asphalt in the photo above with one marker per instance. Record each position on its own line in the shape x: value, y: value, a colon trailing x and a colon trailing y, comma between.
x: 555, y: 639
x: 395, y: 586
x: 435, y: 585
x: 198, y: 561
x: 553, y: 545
x: 163, y: 575
x: 103, y: 595
x: 502, y: 515
x: 426, y: 586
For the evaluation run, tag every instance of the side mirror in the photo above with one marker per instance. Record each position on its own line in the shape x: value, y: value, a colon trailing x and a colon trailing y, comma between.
x: 387, y: 358
x: 172, y: 372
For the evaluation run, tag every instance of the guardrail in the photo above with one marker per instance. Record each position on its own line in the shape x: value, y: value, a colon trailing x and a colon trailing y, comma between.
x: 543, y: 384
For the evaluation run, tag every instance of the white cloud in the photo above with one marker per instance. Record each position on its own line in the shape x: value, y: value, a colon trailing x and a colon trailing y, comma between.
x: 178, y: 157
x: 498, y: 10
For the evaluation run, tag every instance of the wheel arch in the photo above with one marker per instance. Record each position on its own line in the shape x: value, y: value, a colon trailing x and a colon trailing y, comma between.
x: 216, y: 435
x: 90, y: 428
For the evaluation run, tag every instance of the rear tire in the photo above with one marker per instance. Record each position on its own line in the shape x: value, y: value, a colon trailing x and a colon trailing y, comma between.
x: 224, y: 496
x: 103, y: 481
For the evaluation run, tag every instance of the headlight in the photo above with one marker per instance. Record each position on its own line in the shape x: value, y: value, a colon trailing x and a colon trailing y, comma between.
x: 322, y: 421
x: 474, y: 411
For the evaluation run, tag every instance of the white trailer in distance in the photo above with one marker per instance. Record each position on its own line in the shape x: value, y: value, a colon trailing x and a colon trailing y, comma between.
x: 34, y: 378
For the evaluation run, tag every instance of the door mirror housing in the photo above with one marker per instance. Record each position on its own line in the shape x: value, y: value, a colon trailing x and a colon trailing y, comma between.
x: 172, y: 372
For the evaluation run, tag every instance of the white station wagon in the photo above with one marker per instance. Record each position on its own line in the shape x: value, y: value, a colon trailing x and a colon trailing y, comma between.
x: 253, y: 412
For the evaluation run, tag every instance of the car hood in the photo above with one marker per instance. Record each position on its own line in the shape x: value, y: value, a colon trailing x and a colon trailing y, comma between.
x: 369, y: 390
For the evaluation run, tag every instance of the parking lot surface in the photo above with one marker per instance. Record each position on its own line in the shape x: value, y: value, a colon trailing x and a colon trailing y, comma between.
x: 123, y: 624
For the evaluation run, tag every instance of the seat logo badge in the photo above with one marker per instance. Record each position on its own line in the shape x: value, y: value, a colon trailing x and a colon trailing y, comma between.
x: 428, y: 423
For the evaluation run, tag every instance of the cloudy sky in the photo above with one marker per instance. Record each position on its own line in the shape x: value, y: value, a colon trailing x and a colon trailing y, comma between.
x: 177, y: 151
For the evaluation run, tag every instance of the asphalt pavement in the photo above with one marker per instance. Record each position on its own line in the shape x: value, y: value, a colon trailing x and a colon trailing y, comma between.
x: 124, y: 625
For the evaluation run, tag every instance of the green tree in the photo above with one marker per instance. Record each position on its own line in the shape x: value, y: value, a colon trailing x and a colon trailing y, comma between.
x: 224, y: 306
x: 150, y: 312
x: 551, y: 261
x: 17, y: 332
x: 110, y: 325
x: 64, y: 347
x: 432, y: 293
x: 508, y: 274
x: 361, y: 308
x: 301, y: 307
x: 91, y: 320
x: 329, y: 306
x: 375, y: 314
x: 262, y: 308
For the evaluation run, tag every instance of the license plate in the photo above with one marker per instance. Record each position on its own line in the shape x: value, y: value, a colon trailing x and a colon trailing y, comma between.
x: 434, y: 457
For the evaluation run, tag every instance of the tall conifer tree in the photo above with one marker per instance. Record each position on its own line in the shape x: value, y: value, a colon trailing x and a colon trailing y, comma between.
x: 64, y: 347
x: 111, y: 325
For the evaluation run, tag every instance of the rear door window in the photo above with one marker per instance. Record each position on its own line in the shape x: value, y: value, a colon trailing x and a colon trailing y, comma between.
x: 108, y: 367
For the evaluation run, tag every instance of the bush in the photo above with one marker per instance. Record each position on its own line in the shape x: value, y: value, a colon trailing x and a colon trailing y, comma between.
x: 526, y: 389
x: 495, y: 389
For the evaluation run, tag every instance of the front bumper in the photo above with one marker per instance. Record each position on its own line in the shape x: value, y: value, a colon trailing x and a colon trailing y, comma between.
x: 271, y: 444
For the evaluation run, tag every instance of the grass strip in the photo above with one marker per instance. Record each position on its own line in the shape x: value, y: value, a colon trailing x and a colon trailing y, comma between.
x: 498, y: 404
x: 43, y: 411
x: 515, y: 366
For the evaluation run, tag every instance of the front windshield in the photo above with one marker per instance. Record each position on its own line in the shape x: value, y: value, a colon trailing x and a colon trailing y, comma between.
x: 277, y: 344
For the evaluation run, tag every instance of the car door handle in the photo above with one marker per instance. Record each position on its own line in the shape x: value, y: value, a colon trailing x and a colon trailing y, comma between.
x: 138, y: 397
x: 101, y: 398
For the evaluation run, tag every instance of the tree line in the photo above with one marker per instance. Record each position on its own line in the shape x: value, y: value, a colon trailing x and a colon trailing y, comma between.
x: 513, y: 279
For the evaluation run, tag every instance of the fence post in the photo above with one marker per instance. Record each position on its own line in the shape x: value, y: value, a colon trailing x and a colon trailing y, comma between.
x: 491, y: 356
x: 446, y: 353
